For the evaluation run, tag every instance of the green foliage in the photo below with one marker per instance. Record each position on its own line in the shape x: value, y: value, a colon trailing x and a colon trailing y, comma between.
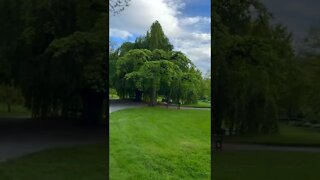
x: 154, y: 39
x: 149, y: 68
x: 113, y: 94
x: 205, y: 88
x: 257, y: 78
x: 157, y: 39
x: 10, y: 96
x: 130, y: 62
x: 56, y: 53
x: 250, y: 57
x: 85, y: 52
x: 149, y: 77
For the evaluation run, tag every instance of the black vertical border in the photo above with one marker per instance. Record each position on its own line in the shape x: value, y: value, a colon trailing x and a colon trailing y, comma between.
x: 107, y: 92
x: 212, y: 105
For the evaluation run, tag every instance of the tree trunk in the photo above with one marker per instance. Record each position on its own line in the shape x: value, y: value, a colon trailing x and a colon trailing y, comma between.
x: 9, y: 107
x: 231, y: 128
x: 154, y: 96
x: 92, y: 107
x: 138, y: 95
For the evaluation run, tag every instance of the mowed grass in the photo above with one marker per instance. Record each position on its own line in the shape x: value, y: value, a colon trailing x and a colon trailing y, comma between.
x: 287, y: 135
x: 76, y: 163
x: 264, y: 165
x: 159, y: 143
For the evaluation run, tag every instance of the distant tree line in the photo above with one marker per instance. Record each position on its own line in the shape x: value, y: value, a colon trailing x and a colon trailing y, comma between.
x: 56, y: 53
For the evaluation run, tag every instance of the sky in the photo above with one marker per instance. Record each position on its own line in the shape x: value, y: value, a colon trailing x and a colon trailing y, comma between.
x: 186, y: 23
x: 297, y: 15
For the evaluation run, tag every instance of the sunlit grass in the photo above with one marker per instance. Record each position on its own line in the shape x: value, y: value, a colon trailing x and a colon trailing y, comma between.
x: 157, y: 143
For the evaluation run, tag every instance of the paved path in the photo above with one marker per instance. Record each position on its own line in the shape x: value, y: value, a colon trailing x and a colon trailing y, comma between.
x: 260, y: 147
x: 116, y: 105
x: 186, y: 108
x: 19, y: 136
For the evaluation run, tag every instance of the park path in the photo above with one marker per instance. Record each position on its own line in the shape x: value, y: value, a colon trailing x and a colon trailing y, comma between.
x: 186, y: 108
x: 261, y: 147
x: 116, y: 105
x: 19, y: 136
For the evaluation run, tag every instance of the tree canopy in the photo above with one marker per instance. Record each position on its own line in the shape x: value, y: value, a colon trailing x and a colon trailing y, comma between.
x: 149, y: 68
x: 249, y: 60
x: 56, y: 54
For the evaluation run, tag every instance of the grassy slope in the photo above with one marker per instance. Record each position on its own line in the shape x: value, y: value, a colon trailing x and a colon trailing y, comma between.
x: 287, y: 136
x: 250, y: 165
x: 156, y: 143
x: 78, y: 163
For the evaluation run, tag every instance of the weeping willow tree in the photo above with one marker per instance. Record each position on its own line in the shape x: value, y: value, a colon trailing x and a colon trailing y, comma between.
x: 148, y: 68
x: 249, y: 60
x: 308, y: 77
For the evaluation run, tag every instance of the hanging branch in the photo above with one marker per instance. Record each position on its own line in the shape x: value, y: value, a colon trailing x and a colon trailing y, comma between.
x: 116, y: 6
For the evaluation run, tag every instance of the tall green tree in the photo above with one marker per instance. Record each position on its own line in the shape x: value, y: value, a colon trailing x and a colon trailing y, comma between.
x: 309, y: 66
x: 149, y: 68
x: 154, y: 39
x: 249, y: 58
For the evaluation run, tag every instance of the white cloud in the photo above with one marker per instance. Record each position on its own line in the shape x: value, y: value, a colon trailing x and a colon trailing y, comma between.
x: 138, y: 17
x: 119, y: 33
x: 185, y: 33
x: 197, y: 47
x: 195, y: 20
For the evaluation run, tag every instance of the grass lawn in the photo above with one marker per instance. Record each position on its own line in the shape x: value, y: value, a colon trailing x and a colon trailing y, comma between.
x: 77, y: 163
x: 288, y: 135
x: 158, y: 143
x: 200, y: 104
x: 251, y: 165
